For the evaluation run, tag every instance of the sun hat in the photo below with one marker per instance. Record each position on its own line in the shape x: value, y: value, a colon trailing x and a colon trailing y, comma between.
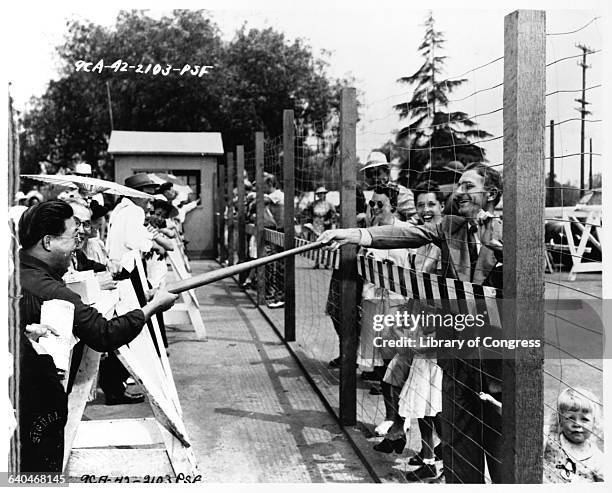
x: 375, y: 159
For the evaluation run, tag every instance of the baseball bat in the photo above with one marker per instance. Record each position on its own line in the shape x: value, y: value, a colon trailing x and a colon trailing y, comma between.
x: 216, y: 275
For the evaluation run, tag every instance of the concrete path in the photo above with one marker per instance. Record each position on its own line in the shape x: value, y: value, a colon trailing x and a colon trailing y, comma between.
x: 249, y: 411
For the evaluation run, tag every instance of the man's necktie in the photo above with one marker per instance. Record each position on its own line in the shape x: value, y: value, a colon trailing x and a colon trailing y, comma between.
x: 473, y: 249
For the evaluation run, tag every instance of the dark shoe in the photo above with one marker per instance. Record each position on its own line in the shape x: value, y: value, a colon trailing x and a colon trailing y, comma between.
x: 438, y: 452
x: 417, y: 460
x: 335, y: 363
x: 426, y: 471
x: 375, y: 390
x: 387, y: 446
x: 370, y: 376
x: 125, y: 398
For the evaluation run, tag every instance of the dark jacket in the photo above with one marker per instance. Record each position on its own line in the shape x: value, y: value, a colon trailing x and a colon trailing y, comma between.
x: 43, y: 404
x: 39, y: 283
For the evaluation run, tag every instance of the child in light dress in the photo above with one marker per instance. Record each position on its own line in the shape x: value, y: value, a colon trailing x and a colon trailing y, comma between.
x: 571, y: 454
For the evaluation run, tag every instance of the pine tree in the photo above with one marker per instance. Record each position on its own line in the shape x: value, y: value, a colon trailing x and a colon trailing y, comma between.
x: 434, y: 135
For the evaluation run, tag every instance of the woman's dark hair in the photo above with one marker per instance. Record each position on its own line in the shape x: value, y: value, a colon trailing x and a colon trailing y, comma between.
x: 46, y: 218
x: 390, y: 191
x: 428, y: 186
x: 164, y: 187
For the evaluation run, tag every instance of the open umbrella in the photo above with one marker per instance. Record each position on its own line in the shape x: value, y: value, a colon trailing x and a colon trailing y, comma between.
x: 89, y: 186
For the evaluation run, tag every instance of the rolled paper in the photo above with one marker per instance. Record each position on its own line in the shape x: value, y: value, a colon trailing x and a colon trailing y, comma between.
x: 232, y: 270
x: 58, y: 314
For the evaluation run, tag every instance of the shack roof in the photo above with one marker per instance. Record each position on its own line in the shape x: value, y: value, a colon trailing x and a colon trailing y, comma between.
x: 181, y: 143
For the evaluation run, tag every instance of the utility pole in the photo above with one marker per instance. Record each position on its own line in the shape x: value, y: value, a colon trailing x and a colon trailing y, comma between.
x: 110, y: 105
x: 583, y: 111
x: 590, y: 164
x: 551, y: 175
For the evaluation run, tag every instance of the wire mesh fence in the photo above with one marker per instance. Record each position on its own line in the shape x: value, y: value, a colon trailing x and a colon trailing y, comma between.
x: 425, y: 402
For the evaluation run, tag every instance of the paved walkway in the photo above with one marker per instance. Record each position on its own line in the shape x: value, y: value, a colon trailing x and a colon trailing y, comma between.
x: 249, y: 411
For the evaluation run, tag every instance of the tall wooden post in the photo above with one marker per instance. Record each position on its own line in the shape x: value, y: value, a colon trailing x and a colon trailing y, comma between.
x: 259, y: 220
x: 230, y: 208
x: 221, y: 203
x: 524, y: 176
x: 240, y: 207
x: 215, y: 198
x: 289, y: 228
x: 348, y: 258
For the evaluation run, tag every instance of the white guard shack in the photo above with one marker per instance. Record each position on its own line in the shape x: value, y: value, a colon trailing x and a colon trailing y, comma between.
x: 191, y: 157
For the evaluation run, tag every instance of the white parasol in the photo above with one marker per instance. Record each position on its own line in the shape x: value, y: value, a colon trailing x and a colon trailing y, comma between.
x: 89, y: 186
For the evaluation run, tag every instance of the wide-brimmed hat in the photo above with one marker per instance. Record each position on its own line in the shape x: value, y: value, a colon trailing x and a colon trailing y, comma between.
x: 375, y: 159
x: 320, y: 189
x: 139, y: 180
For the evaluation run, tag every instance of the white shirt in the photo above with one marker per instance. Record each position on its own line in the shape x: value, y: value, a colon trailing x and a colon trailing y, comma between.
x: 126, y: 231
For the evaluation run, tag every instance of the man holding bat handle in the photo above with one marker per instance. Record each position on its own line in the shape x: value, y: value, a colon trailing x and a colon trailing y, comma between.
x: 48, y: 235
x: 471, y: 251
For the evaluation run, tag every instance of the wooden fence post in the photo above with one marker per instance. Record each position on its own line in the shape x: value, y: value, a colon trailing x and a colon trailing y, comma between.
x: 348, y: 258
x: 259, y: 220
x: 230, y: 208
x: 221, y: 211
x: 241, y: 221
x: 215, y: 194
x: 289, y: 216
x: 524, y: 176
x: 14, y: 290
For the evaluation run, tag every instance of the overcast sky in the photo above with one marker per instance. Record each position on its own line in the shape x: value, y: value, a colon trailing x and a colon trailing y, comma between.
x: 376, y: 43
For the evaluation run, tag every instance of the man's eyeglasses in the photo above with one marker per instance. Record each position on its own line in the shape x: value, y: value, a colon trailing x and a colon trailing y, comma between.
x: 377, y: 203
x: 79, y: 223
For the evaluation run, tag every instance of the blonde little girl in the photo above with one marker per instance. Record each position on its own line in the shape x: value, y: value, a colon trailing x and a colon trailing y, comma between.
x: 571, y: 454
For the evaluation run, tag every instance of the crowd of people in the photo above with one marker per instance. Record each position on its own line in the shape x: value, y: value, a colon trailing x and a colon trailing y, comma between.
x: 77, y: 232
x: 456, y: 398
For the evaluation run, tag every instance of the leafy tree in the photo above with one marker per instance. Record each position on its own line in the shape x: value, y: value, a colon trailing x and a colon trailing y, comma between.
x: 433, y: 134
x: 255, y: 77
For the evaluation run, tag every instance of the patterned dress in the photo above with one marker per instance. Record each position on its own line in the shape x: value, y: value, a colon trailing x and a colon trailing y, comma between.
x: 566, y: 463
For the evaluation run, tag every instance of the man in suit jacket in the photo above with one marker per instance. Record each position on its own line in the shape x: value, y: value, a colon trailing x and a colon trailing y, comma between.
x: 471, y: 245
